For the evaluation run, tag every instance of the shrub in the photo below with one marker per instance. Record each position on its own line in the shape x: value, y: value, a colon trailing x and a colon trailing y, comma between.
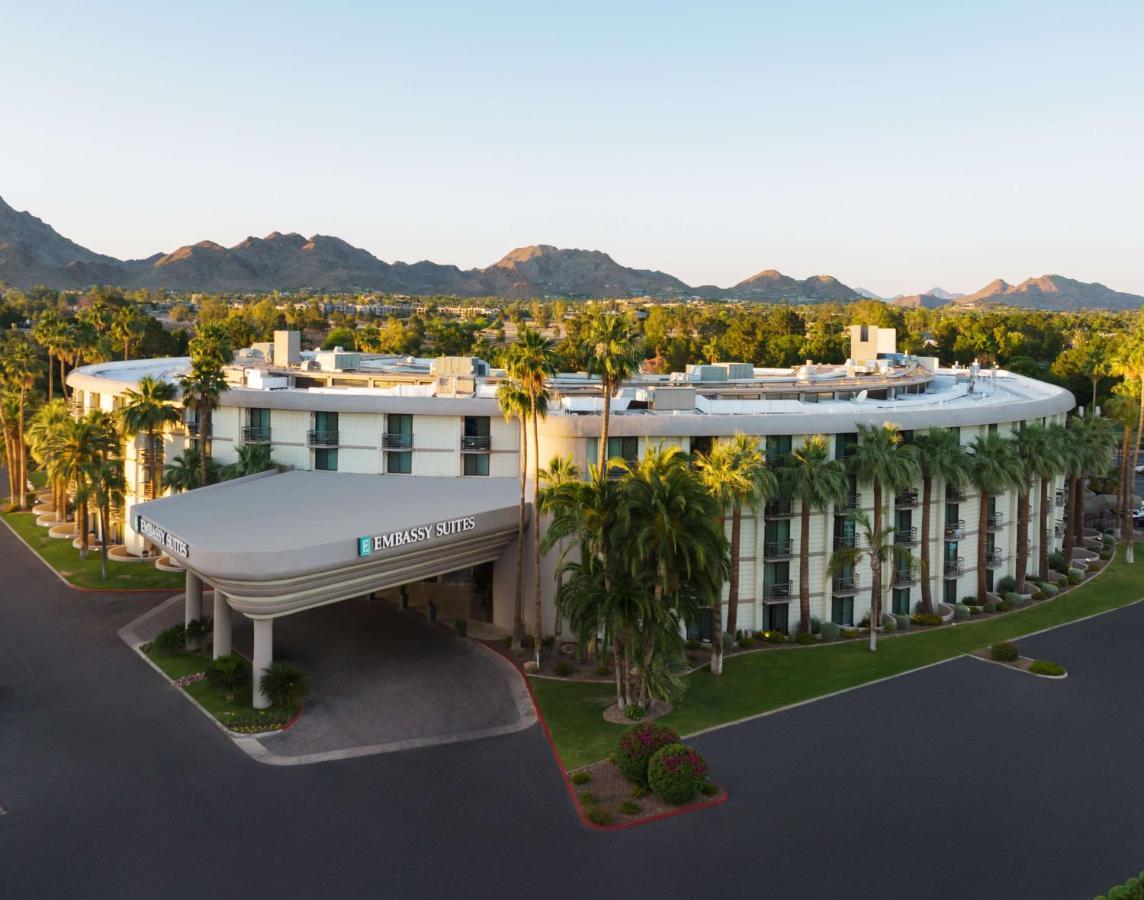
x: 629, y: 808
x: 563, y: 668
x: 284, y: 684
x: 597, y: 815
x: 1006, y: 584
x: 903, y: 621
x: 1005, y: 651
x: 1044, y: 667
x: 746, y: 643
x: 587, y: 798
x: 1057, y: 562
x: 927, y: 619
x: 889, y: 623
x: 1038, y: 595
x: 603, y: 670
x: 830, y: 632
x: 634, y: 711
x: 637, y: 792
x: 960, y: 611
x: 815, y: 625
x: 774, y: 637
x: 969, y: 599
x: 1074, y: 578
x: 1015, y: 600
x: 1004, y: 606
x: 637, y: 746
x: 851, y: 633
x: 707, y: 789
x: 1049, y: 590
x: 675, y: 773
x: 228, y: 674
x: 728, y: 643
x: 974, y: 610
x: 693, y: 645
x: 805, y: 637
x: 1132, y: 889
x: 990, y: 606
x: 170, y: 640
x: 198, y: 630
x: 581, y: 778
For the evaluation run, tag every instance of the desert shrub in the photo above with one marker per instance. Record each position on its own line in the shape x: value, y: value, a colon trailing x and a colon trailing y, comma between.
x: 634, y: 711
x: 1074, y: 578
x: 597, y: 815
x: 1015, y: 600
x: 228, y: 673
x: 926, y: 619
x: 746, y: 643
x: 830, y: 631
x: 902, y: 620
x: 581, y: 777
x: 284, y: 684
x: 693, y: 645
x: 1132, y: 889
x: 563, y: 668
x: 774, y: 637
x: 815, y: 625
x: 1105, y: 554
x: 728, y: 643
x: 960, y: 611
x: 707, y: 789
x: 1057, y: 562
x: 850, y: 633
x: 1045, y: 667
x: 199, y: 629
x: 1006, y: 584
x: 969, y: 598
x: 170, y: 640
x: 1049, y: 590
x: 587, y: 798
x: 637, y: 746
x: 1004, y: 606
x: 629, y: 807
x: 1005, y: 651
x: 889, y: 623
x: 974, y: 610
x: 990, y: 606
x: 1039, y: 595
x: 603, y: 669
x: 804, y: 637
x: 675, y: 773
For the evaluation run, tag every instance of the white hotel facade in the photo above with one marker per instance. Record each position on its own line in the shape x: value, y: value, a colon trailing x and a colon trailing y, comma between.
x: 401, y: 420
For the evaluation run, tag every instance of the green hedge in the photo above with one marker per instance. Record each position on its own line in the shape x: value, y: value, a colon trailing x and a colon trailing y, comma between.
x: 1132, y: 889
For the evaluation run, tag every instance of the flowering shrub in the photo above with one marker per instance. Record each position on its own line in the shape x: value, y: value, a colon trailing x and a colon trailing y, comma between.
x: 634, y: 711
x: 676, y: 772
x: 928, y: 619
x: 774, y: 637
x: 637, y: 746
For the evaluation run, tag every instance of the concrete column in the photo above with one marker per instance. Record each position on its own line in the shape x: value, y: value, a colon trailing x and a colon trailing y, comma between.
x: 222, y: 626
x: 263, y: 656
x: 194, y: 605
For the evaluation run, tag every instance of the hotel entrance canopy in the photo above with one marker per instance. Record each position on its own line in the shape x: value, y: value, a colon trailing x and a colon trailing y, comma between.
x: 276, y: 543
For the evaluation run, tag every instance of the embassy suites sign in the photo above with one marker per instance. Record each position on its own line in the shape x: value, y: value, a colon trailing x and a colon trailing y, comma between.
x: 162, y: 537
x: 392, y: 539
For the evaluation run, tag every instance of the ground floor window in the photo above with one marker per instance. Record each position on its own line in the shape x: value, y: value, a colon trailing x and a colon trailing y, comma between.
x: 326, y: 459
x: 842, y: 611
x: 949, y: 591
x: 700, y: 629
x: 902, y: 601
x: 399, y: 463
x: 476, y: 463
x: 989, y: 580
x: 776, y: 617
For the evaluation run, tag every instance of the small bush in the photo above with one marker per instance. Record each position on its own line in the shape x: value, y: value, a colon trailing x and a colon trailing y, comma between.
x: 581, y: 778
x: 746, y: 643
x: 228, y: 673
x: 728, y: 643
x: 634, y: 711
x: 969, y: 599
x: 707, y: 789
x: 815, y: 625
x: 199, y: 629
x: 851, y: 633
x: 284, y: 684
x: 170, y: 640
x: 1074, y: 578
x: 587, y: 798
x: 1050, y: 590
x: 603, y: 670
x: 1057, y: 562
x: 1132, y: 889
x: 889, y: 623
x: 805, y: 638
x: 629, y: 807
x: 990, y: 606
x: 597, y: 815
x: 1015, y: 600
x: 903, y: 621
x: 1006, y: 584
x: 974, y: 610
x: 774, y: 637
x: 1044, y: 667
x: 1039, y: 595
x: 693, y: 645
x: 1005, y: 651
x: 675, y: 773
x: 637, y: 792
x: 563, y: 668
x: 830, y: 632
x: 926, y: 619
x: 1004, y: 606
x: 637, y: 746
x: 960, y: 611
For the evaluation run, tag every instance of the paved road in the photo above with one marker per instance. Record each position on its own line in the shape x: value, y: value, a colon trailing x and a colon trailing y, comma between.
x: 963, y: 780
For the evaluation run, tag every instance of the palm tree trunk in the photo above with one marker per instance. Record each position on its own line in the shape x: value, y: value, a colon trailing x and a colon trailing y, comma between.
x: 804, y: 571
x: 645, y: 668
x: 1077, y: 517
x: 1127, y: 475
x: 618, y: 665
x: 602, y: 450
x: 204, y: 427
x: 518, y: 600
x: 717, y: 620
x: 22, y: 452
x: 982, y: 537
x: 927, y: 502
x: 536, y: 524
x: 51, y: 374
x: 876, y: 572
x: 104, y: 517
x: 82, y: 522
x: 1067, y: 547
x: 156, y: 467
x: 1043, y: 519
x: 63, y: 378
x: 1022, y: 537
x: 733, y: 579
x: 1130, y: 549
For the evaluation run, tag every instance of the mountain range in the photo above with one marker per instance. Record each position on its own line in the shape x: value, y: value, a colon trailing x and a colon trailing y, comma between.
x: 33, y: 253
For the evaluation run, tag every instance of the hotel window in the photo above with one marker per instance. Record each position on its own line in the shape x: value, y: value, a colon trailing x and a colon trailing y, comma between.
x: 845, y: 445
x: 778, y: 449
x: 326, y: 459
x: 476, y: 464
x: 399, y: 439
x: 701, y: 446
x: 257, y: 429
x: 949, y: 591
x: 625, y: 448
x: 842, y: 610
x: 475, y: 443
x: 902, y: 601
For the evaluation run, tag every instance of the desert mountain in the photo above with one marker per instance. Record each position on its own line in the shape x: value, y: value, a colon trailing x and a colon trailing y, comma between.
x: 1053, y: 292
x: 942, y: 294
x: 927, y: 300
x: 773, y: 285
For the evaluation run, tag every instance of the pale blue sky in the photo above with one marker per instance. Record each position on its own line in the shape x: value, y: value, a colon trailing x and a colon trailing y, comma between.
x: 896, y: 145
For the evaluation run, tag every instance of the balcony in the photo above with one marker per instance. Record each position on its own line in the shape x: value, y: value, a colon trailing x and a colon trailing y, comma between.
x: 254, y: 434
x: 778, y: 549
x: 845, y: 541
x: 777, y: 592
x: 905, y: 537
x: 994, y: 559
x: 1059, y: 530
x: 197, y: 430
x: 147, y: 490
x: 955, y: 531
x: 322, y: 437
x: 905, y: 577
x: 955, y: 493
x: 1059, y: 499
x: 953, y: 567
x: 778, y: 509
x: 852, y: 503
x: 845, y: 586
x: 994, y: 522
x: 906, y: 500
x: 476, y: 443
x: 150, y: 458
x: 397, y: 442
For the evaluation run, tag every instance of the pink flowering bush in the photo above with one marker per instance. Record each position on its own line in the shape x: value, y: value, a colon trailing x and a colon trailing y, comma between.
x: 637, y: 746
x: 676, y: 772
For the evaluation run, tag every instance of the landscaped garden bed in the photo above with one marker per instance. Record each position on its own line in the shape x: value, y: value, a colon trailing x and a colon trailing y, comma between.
x: 1005, y: 653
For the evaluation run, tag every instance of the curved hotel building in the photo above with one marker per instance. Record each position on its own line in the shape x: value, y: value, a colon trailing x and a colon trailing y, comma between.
x: 432, y: 505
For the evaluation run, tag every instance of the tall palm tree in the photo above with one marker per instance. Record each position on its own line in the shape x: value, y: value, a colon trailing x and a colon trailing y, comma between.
x: 1129, y: 363
x: 107, y: 490
x: 149, y: 408
x: 941, y: 459
x: 1039, y: 455
x: 19, y: 368
x: 252, y: 459
x: 45, y: 430
x: 48, y: 332
x: 1088, y: 453
x: 514, y: 404
x: 755, y: 482
x: 994, y: 469
x: 204, y: 384
x: 184, y: 473
x: 882, y: 461
x: 816, y: 481
x: 877, y: 545
x: 87, y: 444
x: 614, y: 357
x: 561, y: 471
x: 718, y: 472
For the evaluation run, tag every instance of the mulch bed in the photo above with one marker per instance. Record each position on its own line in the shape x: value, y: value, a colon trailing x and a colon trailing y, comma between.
x: 607, y: 790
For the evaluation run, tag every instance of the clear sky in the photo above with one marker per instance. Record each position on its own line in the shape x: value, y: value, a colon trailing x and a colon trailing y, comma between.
x: 896, y: 145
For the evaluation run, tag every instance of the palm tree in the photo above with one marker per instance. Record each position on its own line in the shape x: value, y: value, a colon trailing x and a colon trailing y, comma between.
x: 184, y: 472
x: 48, y: 333
x: 45, y: 429
x: 515, y: 404
x: 127, y: 327
x: 1038, y: 453
x: 754, y: 483
x: 941, y: 459
x: 878, y: 546
x: 1058, y: 443
x: 816, y: 481
x: 530, y: 363
x: 252, y: 459
x: 19, y: 368
x: 612, y: 355
x: 148, y: 408
x: 86, y: 445
x: 993, y: 469
x: 1088, y: 453
x: 1130, y: 364
x: 205, y: 383
x: 880, y: 459
x: 717, y: 472
x: 107, y: 489
x: 561, y: 471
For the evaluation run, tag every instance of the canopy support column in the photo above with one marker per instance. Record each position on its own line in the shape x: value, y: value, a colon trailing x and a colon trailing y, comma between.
x: 263, y: 657
x: 194, y: 598
x: 222, y: 625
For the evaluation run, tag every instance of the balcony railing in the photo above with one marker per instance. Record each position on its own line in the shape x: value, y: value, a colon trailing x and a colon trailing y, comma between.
x: 906, y: 500
x: 955, y: 493
x: 852, y: 503
x: 905, y: 537
x: 995, y: 521
x: 1059, y: 499
x: 845, y: 585
x: 1059, y: 530
x: 476, y: 443
x: 905, y: 577
x: 255, y: 434
x: 955, y: 531
x: 778, y: 509
x: 954, y: 567
x: 779, y: 591
x: 151, y: 457
x: 147, y: 491
x: 397, y: 442
x: 845, y: 541
x: 778, y: 549
x: 994, y: 559
x: 197, y: 429
x: 322, y: 437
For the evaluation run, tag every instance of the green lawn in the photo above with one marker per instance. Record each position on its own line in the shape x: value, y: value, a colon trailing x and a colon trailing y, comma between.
x: 757, y: 682
x: 64, y: 558
x: 229, y: 712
